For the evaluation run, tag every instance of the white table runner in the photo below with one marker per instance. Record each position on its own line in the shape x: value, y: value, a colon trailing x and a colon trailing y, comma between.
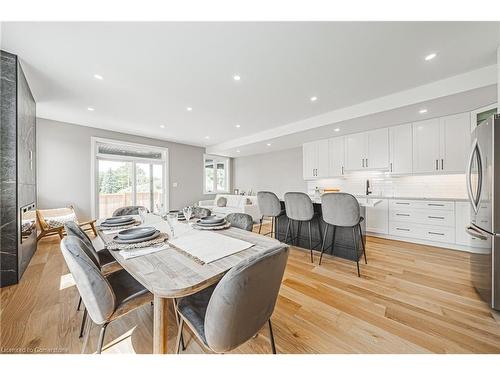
x: 208, y: 246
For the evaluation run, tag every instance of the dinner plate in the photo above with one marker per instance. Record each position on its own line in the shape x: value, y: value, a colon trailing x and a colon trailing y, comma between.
x: 133, y: 233
x: 118, y: 219
x: 137, y: 240
x: 205, y: 224
x: 212, y: 220
x: 111, y: 225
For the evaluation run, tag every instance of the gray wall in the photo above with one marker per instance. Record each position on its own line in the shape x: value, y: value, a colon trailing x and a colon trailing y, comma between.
x: 64, y: 159
x: 279, y: 171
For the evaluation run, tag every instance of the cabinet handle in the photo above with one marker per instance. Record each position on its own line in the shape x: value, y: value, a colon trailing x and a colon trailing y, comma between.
x: 442, y: 164
x: 436, y: 233
x: 435, y: 204
x: 436, y: 217
x: 366, y: 162
x: 342, y: 171
x: 402, y: 214
x: 406, y: 203
x: 404, y: 229
x: 437, y: 164
x: 363, y: 162
x: 391, y: 167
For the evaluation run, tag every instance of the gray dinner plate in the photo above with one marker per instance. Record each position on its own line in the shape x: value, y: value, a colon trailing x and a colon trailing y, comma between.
x: 118, y: 219
x: 202, y: 224
x: 137, y: 240
x: 111, y: 225
x: 133, y: 233
x: 211, y: 220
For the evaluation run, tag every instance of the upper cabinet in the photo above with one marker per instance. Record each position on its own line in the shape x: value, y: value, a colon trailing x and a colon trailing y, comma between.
x: 336, y: 150
x: 368, y: 150
x: 315, y: 159
x: 400, y: 149
x: 441, y: 145
x: 479, y: 115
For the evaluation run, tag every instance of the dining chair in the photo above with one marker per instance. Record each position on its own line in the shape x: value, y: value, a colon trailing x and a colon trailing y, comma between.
x: 240, y: 220
x: 299, y: 208
x: 227, y: 315
x: 106, y: 261
x: 106, y: 298
x: 269, y: 206
x: 199, y: 212
x: 342, y: 210
x: 128, y: 210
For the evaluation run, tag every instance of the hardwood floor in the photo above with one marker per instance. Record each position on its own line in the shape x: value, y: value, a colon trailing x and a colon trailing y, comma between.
x: 410, y: 299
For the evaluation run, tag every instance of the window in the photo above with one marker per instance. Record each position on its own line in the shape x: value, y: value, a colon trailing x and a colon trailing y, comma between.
x: 127, y: 174
x: 215, y: 174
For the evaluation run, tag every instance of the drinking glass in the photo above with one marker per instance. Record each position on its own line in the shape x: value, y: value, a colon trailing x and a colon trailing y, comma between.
x: 142, y: 214
x: 187, y: 211
x: 172, y: 221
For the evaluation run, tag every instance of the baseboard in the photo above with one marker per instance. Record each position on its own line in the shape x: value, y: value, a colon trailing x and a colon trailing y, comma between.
x: 444, y: 245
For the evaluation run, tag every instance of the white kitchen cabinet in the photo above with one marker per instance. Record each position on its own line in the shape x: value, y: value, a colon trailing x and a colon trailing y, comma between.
x: 377, y: 218
x: 336, y: 156
x: 426, y: 146
x: 368, y: 150
x: 400, y: 149
x: 481, y: 114
x: 454, y: 138
x: 315, y: 159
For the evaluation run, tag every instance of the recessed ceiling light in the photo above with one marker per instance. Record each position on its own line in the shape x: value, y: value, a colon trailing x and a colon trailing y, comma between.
x: 207, y: 137
x: 238, y: 151
x: 237, y: 126
x: 314, y: 98
x: 430, y: 56
x: 162, y: 126
x: 98, y: 76
x: 236, y: 77
x: 422, y: 111
x: 189, y: 109
x: 268, y: 144
x: 336, y: 130
x: 90, y: 109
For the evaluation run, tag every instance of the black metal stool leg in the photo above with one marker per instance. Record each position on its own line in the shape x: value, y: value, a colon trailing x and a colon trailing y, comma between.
x: 310, y: 241
x: 271, y: 337
x: 260, y: 226
x: 323, y: 244
x: 84, y: 319
x: 297, y: 237
x: 362, y: 243
x: 287, y: 229
x: 356, y: 248
x: 79, y: 304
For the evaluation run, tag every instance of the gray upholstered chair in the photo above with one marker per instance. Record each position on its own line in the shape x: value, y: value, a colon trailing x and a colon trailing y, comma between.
x: 199, y: 212
x: 269, y: 206
x: 128, y: 210
x: 106, y: 261
x: 299, y: 208
x: 342, y: 210
x: 227, y: 315
x: 106, y: 298
x: 240, y: 220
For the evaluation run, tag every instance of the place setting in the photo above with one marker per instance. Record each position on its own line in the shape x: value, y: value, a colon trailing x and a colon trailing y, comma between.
x: 115, y: 224
x: 134, y: 242
x: 211, y: 223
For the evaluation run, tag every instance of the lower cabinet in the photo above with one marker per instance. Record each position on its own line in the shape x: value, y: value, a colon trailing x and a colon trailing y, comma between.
x: 377, y: 218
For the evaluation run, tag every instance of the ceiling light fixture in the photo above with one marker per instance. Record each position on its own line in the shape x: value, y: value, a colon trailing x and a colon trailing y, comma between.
x: 422, y: 111
x: 268, y: 144
x: 99, y: 77
x: 430, y: 56
x: 90, y: 109
x: 162, y: 126
x: 238, y: 151
x: 336, y: 130
x: 236, y: 77
x: 314, y: 98
x: 237, y: 126
x: 189, y: 109
x: 207, y: 137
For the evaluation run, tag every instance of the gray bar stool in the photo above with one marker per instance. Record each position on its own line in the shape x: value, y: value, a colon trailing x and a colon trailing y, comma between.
x: 299, y: 208
x: 269, y: 206
x: 342, y: 210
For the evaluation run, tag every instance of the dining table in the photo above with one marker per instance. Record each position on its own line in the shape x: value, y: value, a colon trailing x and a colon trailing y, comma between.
x: 171, y: 273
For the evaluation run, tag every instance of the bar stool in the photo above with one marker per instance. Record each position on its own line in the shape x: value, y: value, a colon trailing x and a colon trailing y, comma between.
x: 299, y: 208
x: 342, y: 210
x: 269, y: 206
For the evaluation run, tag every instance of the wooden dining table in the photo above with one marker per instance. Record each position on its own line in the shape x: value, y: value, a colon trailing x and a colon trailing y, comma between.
x: 170, y: 274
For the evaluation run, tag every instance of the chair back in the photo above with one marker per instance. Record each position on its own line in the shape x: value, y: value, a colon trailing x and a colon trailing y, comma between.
x: 55, y: 217
x: 128, y: 210
x: 73, y: 229
x: 340, y: 209
x: 240, y: 220
x: 199, y: 212
x: 299, y: 206
x: 244, y: 299
x: 269, y: 203
x: 95, y: 290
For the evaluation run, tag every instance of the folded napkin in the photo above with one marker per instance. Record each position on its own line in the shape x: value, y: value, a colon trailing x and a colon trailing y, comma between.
x: 133, y: 253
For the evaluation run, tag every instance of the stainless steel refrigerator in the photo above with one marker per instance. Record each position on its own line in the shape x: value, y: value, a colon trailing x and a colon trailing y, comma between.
x: 483, y: 186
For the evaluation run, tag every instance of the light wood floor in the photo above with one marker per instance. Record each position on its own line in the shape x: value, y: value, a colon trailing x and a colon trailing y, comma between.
x: 410, y: 299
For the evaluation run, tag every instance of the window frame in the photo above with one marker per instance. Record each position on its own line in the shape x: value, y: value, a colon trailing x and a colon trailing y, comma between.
x: 217, y: 159
x: 94, y: 172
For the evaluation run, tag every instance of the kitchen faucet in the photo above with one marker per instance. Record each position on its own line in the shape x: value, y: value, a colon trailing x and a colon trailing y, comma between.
x: 368, y: 191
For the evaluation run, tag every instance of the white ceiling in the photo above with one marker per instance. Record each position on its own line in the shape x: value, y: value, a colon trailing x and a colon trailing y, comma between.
x: 153, y: 71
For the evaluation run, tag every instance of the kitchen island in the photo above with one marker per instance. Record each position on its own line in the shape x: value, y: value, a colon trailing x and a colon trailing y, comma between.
x: 344, y: 242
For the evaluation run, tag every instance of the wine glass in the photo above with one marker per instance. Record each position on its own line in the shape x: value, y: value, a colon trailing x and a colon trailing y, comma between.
x: 172, y: 221
x: 187, y: 211
x: 142, y: 214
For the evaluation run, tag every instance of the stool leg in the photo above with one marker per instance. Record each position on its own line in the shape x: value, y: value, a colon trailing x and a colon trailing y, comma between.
x: 287, y: 229
x: 310, y: 241
x: 276, y: 222
x: 362, y: 242
x: 272, y: 226
x: 299, y: 229
x: 356, y: 248
x: 323, y: 244
x: 260, y: 226
x: 84, y: 320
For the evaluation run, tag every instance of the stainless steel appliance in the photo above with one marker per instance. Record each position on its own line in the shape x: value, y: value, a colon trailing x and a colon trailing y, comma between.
x: 483, y: 186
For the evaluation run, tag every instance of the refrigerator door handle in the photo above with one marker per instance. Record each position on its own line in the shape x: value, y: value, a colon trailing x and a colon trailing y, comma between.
x: 467, y: 176
x: 475, y: 233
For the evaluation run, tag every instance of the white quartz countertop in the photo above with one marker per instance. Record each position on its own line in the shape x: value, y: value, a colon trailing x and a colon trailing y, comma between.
x: 363, y: 202
x: 446, y: 199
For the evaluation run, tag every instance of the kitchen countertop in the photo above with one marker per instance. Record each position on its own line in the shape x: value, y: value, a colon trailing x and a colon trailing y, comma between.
x: 363, y: 201
x: 373, y: 196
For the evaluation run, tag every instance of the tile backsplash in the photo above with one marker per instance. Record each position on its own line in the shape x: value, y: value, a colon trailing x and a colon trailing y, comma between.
x: 435, y: 186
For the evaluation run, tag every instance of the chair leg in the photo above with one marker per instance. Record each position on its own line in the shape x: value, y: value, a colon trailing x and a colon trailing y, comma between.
x: 260, y: 226
x: 271, y: 337
x: 287, y: 229
x: 101, y: 337
x: 79, y: 304
x: 84, y: 319
x: 362, y: 242
x: 323, y: 244
x: 299, y: 229
x: 88, y: 328
x: 356, y: 249
x: 179, y: 337
x: 276, y: 222
x: 272, y: 226
x: 310, y: 241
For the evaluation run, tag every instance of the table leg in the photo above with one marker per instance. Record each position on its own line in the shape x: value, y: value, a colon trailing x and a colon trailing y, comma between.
x: 160, y: 325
